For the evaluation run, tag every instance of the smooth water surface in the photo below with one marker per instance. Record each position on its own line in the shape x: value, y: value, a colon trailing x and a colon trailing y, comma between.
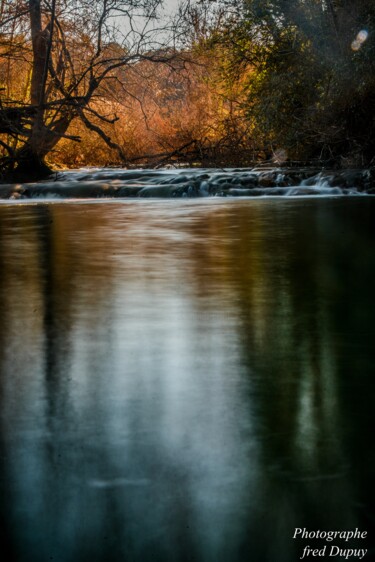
x: 185, y: 380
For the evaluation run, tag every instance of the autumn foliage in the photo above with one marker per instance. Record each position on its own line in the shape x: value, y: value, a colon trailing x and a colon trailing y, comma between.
x: 228, y: 83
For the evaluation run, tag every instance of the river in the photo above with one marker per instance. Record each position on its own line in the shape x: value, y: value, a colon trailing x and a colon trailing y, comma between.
x: 185, y: 379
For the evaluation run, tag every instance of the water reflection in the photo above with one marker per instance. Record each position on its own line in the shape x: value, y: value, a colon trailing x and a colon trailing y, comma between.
x: 184, y: 381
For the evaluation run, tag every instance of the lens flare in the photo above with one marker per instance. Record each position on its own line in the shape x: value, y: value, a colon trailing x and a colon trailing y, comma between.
x: 362, y: 35
x: 359, y: 40
x: 280, y: 156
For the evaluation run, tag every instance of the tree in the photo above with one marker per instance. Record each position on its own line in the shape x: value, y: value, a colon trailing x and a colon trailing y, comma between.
x: 320, y: 76
x: 311, y: 88
x: 73, y: 48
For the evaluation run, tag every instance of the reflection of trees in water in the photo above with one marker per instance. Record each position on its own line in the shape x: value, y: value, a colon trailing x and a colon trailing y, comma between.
x: 256, y: 281
x: 85, y: 277
x: 300, y: 292
x: 40, y: 271
x: 301, y: 287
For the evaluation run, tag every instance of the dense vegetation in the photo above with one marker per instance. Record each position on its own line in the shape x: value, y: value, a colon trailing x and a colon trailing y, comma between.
x: 312, y: 91
x: 229, y: 82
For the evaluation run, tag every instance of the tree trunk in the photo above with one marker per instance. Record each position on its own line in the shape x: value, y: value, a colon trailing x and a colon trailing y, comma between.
x: 30, y: 158
x: 39, y: 39
x: 30, y: 166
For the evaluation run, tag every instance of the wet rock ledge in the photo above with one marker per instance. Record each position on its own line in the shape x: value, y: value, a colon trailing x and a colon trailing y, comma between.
x: 251, y: 182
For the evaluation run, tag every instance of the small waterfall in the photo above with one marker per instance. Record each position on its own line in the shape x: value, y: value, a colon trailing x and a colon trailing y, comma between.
x: 92, y: 183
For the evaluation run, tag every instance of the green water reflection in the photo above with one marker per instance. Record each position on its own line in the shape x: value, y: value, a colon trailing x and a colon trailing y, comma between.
x: 185, y: 380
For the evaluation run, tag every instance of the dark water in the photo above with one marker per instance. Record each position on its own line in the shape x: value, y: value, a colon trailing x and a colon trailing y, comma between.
x: 185, y: 380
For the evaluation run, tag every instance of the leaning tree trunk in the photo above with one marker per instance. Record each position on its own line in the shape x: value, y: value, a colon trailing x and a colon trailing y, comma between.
x: 30, y: 158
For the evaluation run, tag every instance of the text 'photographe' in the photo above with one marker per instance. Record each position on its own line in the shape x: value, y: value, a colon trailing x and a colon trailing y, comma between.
x: 341, y: 548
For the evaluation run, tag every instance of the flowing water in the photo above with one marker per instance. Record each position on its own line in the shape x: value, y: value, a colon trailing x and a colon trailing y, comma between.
x: 185, y: 380
x: 194, y: 183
